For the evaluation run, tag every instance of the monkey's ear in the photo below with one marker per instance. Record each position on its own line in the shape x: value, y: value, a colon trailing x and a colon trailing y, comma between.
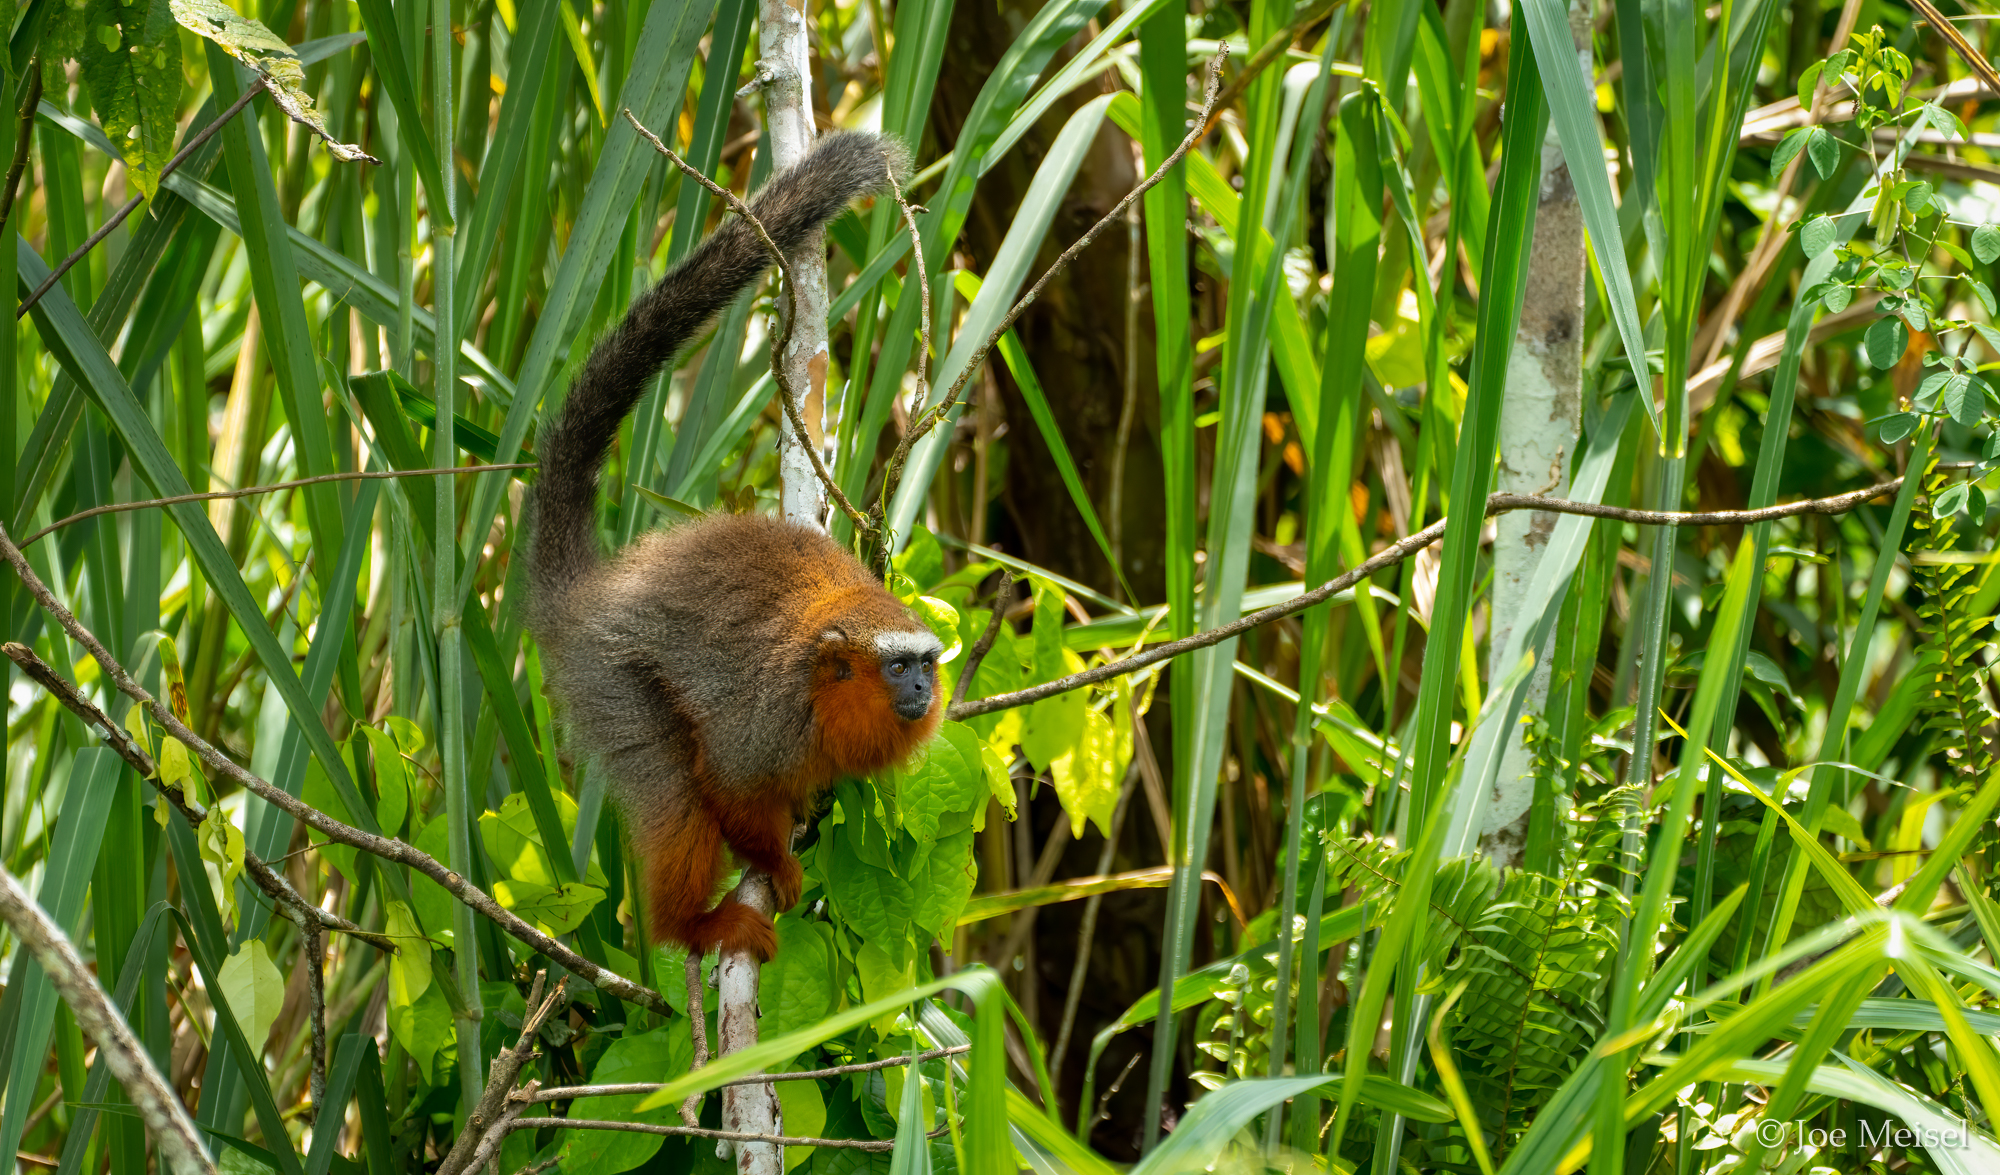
x: 833, y: 636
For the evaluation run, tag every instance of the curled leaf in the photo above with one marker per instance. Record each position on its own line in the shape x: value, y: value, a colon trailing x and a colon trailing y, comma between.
x: 257, y: 47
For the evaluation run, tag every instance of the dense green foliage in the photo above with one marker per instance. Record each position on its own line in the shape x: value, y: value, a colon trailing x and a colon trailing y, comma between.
x: 1743, y: 919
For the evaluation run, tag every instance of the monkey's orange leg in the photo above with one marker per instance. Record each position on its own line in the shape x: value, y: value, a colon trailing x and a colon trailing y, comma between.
x: 682, y: 850
x: 680, y: 847
x: 761, y: 834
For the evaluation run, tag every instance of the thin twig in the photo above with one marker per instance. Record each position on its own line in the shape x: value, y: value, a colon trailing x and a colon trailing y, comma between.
x: 928, y: 419
x: 786, y: 393
x: 984, y: 644
x: 853, y: 1144
x: 1395, y: 553
x: 698, y: 1028
x: 166, y: 1119
x: 388, y: 848
x: 24, y: 132
x: 313, y: 947
x: 132, y: 205
x: 892, y: 474
x: 566, y: 1093
x: 252, y: 491
x: 1104, y: 1103
x: 1270, y: 51
x: 289, y: 901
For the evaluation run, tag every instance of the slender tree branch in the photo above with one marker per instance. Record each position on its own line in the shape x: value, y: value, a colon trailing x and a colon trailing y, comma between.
x: 117, y: 218
x: 984, y: 644
x: 883, y: 1145
x: 313, y: 947
x: 892, y: 473
x: 786, y: 393
x: 289, y: 902
x: 252, y: 491
x: 566, y: 1093
x: 1396, y: 553
x: 387, y: 848
x: 929, y: 418
x: 23, y: 133
x: 698, y: 1028
x: 180, y: 1145
x: 510, y: 1112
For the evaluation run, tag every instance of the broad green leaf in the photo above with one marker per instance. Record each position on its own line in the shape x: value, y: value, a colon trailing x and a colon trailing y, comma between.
x: 1986, y: 243
x: 1824, y: 149
x: 1817, y: 235
x: 1885, y: 341
x: 132, y: 70
x: 651, y: 1056
x: 1089, y: 776
x: 254, y: 988
x: 557, y: 909
x: 795, y: 989
x: 410, y: 967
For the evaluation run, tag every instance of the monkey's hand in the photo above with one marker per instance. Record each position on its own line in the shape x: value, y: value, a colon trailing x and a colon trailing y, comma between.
x: 787, y: 880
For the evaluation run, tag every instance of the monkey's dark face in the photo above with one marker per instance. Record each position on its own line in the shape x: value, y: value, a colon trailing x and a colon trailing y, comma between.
x: 912, y: 682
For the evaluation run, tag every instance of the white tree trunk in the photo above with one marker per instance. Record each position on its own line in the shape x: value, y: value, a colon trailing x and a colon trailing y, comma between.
x: 1539, y: 422
x: 785, y: 67
x: 789, y: 135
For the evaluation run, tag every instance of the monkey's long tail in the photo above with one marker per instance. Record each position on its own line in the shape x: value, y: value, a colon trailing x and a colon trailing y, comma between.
x: 792, y: 206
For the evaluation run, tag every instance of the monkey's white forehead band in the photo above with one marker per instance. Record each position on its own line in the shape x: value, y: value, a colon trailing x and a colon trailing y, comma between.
x: 906, y: 644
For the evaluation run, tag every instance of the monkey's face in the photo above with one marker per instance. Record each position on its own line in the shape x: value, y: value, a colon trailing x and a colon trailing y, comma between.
x: 909, y: 670
x: 875, y: 696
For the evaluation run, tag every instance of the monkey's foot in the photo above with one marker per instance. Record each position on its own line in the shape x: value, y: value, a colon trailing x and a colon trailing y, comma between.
x: 733, y: 926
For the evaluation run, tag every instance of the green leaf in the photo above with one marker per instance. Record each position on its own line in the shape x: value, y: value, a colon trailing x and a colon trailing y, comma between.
x: 938, y: 791
x: 1896, y: 426
x: 1951, y: 501
x: 264, y: 52
x: 1837, y: 297
x: 423, y: 1028
x: 1986, y: 243
x: 254, y: 988
x: 795, y: 988
x: 1089, y: 776
x: 1817, y: 235
x: 558, y: 909
x: 944, y: 884
x: 942, y: 619
x: 1809, y: 84
x: 1788, y: 147
x: 222, y: 858
x: 1961, y: 399
x: 1885, y: 342
x: 132, y: 71
x: 1824, y: 151
x: 410, y: 967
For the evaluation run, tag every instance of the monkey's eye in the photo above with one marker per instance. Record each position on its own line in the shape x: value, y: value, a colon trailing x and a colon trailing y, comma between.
x: 900, y: 668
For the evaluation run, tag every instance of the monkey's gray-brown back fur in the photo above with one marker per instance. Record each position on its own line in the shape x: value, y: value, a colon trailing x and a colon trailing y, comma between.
x: 792, y: 206
x: 717, y: 616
